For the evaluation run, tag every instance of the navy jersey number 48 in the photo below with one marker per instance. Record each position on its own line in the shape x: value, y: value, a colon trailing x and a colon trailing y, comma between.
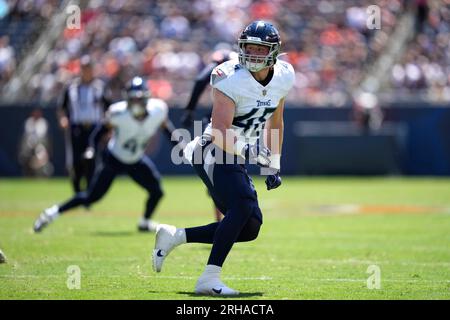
x: 253, y: 119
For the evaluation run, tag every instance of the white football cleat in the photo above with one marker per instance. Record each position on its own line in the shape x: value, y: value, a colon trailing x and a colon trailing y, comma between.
x: 147, y: 225
x: 2, y: 257
x: 212, y: 286
x: 167, y: 238
x: 47, y: 216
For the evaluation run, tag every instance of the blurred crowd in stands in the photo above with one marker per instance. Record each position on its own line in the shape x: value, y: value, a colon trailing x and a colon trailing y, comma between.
x: 328, y: 43
x: 425, y: 66
x: 19, y: 18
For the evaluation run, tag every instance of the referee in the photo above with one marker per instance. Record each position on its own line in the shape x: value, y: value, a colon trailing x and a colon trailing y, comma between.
x: 81, y: 109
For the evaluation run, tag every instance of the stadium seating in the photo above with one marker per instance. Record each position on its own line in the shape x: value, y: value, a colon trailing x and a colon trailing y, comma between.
x: 327, y: 42
x: 423, y: 70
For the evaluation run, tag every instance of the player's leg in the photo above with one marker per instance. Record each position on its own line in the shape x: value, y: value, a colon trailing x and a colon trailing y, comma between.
x: 218, y: 214
x: 100, y: 185
x: 230, y: 187
x: 168, y: 237
x: 89, y: 163
x: 205, y: 234
x: 234, y: 186
x: 76, y: 171
x: 147, y: 176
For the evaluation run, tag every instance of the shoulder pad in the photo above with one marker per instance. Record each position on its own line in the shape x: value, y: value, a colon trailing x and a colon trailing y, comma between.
x: 223, y: 71
x: 117, y: 107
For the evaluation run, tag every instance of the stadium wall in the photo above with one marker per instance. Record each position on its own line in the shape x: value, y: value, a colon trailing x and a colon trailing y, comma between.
x: 318, y: 141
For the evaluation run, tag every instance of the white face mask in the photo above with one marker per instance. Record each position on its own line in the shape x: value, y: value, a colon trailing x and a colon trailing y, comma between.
x: 137, y: 110
x: 257, y: 65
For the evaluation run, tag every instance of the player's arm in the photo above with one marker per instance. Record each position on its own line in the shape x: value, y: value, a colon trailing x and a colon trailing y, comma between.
x: 106, y: 99
x: 62, y: 110
x: 99, y: 131
x: 200, y: 85
x: 273, y: 136
x: 172, y: 134
x: 224, y: 137
x: 222, y: 119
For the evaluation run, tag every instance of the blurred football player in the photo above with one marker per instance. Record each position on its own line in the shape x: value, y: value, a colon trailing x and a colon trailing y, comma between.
x: 2, y: 257
x: 218, y: 57
x: 133, y: 121
x: 247, y: 95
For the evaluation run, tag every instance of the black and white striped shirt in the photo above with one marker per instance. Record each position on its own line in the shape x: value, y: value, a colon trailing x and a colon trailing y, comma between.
x: 85, y: 103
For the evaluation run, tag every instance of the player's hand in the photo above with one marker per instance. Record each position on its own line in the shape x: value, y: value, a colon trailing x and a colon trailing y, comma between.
x: 187, y: 118
x: 257, y: 153
x: 64, y: 123
x: 273, y: 181
x: 89, y: 153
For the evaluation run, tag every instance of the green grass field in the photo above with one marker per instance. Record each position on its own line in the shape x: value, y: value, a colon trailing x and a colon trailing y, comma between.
x: 318, y: 239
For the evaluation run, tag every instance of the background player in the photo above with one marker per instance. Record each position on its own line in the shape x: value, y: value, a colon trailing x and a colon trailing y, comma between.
x: 219, y: 56
x: 201, y: 82
x: 247, y: 95
x: 134, y: 122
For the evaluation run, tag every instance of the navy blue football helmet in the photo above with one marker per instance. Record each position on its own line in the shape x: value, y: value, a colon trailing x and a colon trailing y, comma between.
x: 260, y: 33
x: 137, y: 94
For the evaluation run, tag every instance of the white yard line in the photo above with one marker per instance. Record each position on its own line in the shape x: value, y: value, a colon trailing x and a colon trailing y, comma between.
x: 381, y: 262
x: 262, y: 278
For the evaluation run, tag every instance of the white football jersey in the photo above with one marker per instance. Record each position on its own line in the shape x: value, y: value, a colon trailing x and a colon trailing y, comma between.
x: 254, y: 102
x: 130, y: 136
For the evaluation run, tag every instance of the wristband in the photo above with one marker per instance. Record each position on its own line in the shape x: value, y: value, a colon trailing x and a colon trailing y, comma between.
x: 239, y: 147
x: 275, y: 161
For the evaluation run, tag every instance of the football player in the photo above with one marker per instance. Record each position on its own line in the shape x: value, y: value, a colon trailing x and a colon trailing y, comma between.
x: 247, y: 95
x: 133, y: 121
x: 218, y: 57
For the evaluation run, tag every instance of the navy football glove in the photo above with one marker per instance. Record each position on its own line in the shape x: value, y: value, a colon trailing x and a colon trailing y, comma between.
x: 273, y: 181
x: 257, y: 154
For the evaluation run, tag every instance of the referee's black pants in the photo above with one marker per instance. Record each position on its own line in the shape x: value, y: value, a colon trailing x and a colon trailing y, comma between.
x: 81, y: 167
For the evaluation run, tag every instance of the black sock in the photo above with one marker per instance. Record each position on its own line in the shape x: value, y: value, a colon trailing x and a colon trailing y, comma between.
x: 152, y: 203
x: 203, y: 234
x: 77, y: 200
